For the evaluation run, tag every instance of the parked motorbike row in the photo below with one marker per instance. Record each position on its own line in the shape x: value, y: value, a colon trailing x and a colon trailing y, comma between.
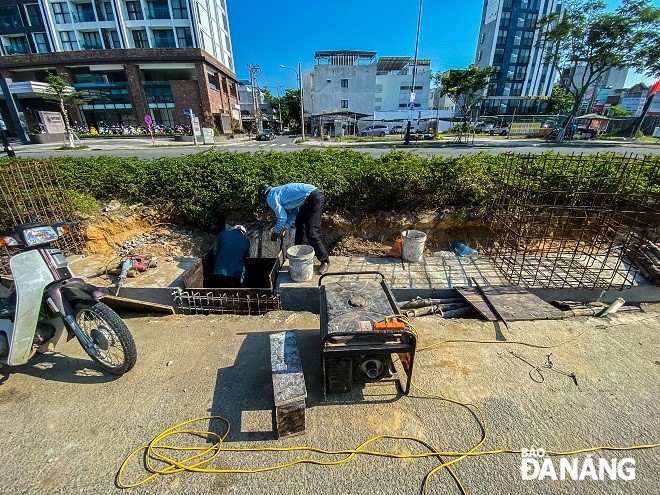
x: 46, y: 301
x: 131, y: 130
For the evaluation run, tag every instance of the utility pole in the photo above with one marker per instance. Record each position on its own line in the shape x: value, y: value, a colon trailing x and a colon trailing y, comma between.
x: 253, y: 82
x: 279, y: 106
x: 411, y: 107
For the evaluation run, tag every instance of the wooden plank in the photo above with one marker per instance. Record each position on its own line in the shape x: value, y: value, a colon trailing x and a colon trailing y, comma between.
x: 289, y: 390
x: 123, y: 303
x: 472, y: 296
x: 518, y: 304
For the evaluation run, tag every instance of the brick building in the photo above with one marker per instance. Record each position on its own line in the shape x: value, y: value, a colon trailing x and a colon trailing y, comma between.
x: 130, y: 57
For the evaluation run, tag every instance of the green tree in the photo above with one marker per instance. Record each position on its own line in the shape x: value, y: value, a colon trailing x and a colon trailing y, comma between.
x: 560, y: 102
x: 291, y: 107
x: 464, y: 88
x: 618, y: 112
x: 585, y: 36
x: 60, y: 92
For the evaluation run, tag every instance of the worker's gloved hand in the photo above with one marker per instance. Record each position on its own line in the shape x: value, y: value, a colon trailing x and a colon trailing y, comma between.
x: 274, y: 236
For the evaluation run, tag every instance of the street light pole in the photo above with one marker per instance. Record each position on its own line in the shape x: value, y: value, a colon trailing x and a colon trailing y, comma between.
x: 302, y: 111
x: 411, y: 108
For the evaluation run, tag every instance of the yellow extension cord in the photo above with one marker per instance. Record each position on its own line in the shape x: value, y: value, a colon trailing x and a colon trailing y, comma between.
x: 155, y: 451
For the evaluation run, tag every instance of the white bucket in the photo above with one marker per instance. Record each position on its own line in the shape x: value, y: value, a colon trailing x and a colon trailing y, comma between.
x: 412, y: 245
x: 301, y: 262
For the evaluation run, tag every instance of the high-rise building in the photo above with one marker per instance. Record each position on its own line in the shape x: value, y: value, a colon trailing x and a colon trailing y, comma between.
x: 132, y: 58
x: 507, y: 42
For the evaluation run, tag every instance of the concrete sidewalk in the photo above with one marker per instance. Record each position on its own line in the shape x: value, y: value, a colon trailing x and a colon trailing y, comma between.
x: 67, y: 428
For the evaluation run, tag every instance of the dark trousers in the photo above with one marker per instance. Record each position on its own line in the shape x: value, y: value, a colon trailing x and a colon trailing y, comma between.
x: 308, y: 224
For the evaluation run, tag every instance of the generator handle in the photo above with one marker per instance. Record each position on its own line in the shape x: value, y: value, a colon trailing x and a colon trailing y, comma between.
x: 373, y: 272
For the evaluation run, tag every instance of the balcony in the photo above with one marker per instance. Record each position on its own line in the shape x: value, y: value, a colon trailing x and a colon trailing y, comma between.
x: 91, y: 46
x: 84, y: 17
x: 17, y: 49
x: 158, y: 13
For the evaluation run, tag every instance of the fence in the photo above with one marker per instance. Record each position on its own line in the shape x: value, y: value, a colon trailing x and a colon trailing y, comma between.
x: 35, y: 192
x: 567, y: 221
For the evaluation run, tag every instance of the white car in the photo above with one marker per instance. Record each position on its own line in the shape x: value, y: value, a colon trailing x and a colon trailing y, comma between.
x: 501, y: 129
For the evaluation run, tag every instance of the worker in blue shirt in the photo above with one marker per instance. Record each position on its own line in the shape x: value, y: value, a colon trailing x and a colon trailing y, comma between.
x: 231, y: 251
x: 301, y: 204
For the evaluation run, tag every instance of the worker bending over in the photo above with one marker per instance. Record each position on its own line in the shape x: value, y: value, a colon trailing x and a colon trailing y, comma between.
x: 301, y: 204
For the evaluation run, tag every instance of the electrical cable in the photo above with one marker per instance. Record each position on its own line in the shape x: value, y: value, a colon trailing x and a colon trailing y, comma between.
x: 204, y: 454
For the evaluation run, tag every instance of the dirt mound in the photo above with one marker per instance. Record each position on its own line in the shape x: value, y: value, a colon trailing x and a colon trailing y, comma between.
x: 138, y: 230
x: 354, y: 246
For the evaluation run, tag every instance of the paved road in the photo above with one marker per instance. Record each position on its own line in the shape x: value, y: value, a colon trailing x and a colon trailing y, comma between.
x: 143, y: 148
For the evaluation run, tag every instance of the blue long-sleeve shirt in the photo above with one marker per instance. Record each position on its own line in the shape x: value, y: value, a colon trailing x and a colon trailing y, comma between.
x: 231, y: 251
x: 286, y: 201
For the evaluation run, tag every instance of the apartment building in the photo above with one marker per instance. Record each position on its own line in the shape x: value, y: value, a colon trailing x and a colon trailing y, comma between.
x: 348, y: 85
x: 130, y: 57
x: 507, y: 42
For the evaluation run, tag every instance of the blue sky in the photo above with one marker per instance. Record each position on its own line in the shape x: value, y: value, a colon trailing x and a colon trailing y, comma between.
x: 272, y: 33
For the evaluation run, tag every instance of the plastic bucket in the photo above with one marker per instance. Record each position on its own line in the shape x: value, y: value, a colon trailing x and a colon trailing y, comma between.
x: 301, y: 262
x: 412, y: 245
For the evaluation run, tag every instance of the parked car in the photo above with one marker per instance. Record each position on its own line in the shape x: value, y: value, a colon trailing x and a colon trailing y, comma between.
x: 266, y: 135
x: 483, y: 127
x: 501, y: 129
x: 374, y: 130
x: 397, y: 129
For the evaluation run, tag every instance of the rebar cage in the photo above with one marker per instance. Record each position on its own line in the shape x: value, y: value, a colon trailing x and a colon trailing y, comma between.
x: 35, y: 192
x: 574, y: 221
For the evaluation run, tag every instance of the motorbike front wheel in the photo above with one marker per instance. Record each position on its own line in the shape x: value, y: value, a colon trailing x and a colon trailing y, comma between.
x: 114, y: 348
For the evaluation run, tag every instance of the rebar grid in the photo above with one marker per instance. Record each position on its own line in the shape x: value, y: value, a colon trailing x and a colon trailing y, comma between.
x: 35, y: 192
x: 566, y: 221
x: 219, y: 301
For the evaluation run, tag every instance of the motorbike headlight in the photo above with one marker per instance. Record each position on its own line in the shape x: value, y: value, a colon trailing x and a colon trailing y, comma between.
x: 7, y: 241
x: 39, y: 235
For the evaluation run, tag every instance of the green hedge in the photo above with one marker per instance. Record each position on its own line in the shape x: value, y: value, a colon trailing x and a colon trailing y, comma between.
x: 208, y: 187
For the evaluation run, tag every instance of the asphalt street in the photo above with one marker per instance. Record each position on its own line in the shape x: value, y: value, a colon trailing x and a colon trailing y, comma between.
x: 161, y: 147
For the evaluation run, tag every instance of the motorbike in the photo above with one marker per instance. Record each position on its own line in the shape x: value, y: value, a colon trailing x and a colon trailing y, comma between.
x: 48, y: 301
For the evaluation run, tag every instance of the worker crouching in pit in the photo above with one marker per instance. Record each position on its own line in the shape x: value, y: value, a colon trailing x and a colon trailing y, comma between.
x: 301, y: 204
x: 231, y: 251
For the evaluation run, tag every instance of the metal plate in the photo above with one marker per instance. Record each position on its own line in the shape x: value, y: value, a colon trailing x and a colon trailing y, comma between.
x: 517, y: 304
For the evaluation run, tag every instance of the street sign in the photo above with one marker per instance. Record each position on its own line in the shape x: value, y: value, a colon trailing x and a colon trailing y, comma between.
x: 187, y: 111
x: 197, y: 130
x: 147, y: 119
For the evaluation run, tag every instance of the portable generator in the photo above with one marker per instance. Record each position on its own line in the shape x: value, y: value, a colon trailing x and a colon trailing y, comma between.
x: 361, y: 338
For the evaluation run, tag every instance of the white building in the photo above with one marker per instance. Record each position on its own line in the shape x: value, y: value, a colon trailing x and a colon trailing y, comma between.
x: 393, y: 81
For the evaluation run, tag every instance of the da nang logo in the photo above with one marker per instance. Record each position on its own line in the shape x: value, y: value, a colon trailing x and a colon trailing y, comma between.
x: 536, y: 465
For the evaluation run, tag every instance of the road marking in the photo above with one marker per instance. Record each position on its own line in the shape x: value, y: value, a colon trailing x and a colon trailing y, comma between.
x: 284, y: 144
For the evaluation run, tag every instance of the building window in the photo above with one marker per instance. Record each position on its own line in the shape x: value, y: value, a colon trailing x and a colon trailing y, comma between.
x: 184, y: 37
x: 33, y: 14
x: 84, y: 13
x: 516, y: 89
x: 521, y: 71
x: 134, y: 11
x: 61, y: 13
x: 524, y: 56
x: 108, y: 13
x: 68, y: 39
x: 10, y: 17
x: 91, y: 41
x: 498, y: 58
x: 17, y: 45
x: 179, y: 9
x: 505, y: 20
x: 527, y: 38
x: 158, y: 94
x: 344, y: 103
x: 41, y: 42
x: 502, y: 36
x: 344, y: 84
x: 163, y: 38
x: 140, y: 39
x: 507, y: 4
x: 111, y: 38
x: 158, y: 9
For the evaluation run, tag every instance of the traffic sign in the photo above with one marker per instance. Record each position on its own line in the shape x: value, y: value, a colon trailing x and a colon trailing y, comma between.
x: 147, y: 119
x: 187, y: 111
